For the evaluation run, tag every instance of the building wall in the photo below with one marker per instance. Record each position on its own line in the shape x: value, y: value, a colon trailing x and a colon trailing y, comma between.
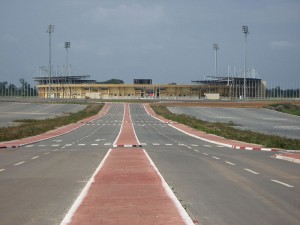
x: 100, y: 91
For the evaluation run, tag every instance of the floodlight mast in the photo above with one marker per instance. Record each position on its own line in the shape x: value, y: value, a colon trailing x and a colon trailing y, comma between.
x: 216, y: 48
x: 246, y: 32
x: 67, y: 45
x: 50, y: 30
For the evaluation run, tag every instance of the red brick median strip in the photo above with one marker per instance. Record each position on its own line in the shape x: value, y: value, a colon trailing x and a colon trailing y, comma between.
x: 129, y: 190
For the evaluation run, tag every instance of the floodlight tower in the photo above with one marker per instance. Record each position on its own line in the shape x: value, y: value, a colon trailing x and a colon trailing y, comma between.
x: 50, y: 30
x: 246, y: 32
x: 67, y: 46
x: 216, y: 48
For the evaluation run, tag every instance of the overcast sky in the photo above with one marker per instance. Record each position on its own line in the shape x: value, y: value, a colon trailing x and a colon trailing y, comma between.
x: 167, y: 41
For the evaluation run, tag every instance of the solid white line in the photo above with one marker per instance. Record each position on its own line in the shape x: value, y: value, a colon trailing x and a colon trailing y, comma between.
x: 19, y: 163
x: 251, y: 171
x: 83, y: 193
x: 2, y: 170
x: 230, y: 163
x: 215, y: 157
x: 279, y: 182
x: 35, y: 157
x: 185, y: 217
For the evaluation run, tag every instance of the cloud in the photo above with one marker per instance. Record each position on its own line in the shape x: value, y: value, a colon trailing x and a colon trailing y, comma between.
x: 282, y: 45
x: 126, y: 15
x: 9, y: 38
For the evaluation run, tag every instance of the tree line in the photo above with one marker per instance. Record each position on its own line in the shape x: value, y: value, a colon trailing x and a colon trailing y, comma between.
x: 23, y: 90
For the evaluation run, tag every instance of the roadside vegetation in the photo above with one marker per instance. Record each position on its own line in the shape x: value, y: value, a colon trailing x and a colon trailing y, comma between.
x: 29, y: 127
x: 227, y: 130
x: 286, y: 108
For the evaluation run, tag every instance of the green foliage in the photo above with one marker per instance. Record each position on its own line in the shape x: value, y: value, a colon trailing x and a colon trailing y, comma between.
x: 229, y: 132
x: 112, y: 81
x: 30, y: 127
x: 286, y: 108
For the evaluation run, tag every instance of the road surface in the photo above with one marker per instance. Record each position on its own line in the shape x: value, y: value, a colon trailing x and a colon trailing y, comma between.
x: 216, y: 184
x: 255, y: 119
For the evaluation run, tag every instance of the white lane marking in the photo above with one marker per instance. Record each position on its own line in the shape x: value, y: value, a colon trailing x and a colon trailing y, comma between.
x: 83, y: 193
x: 184, y: 215
x: 42, y: 145
x: 169, y: 144
x: 251, y: 171
x: 19, y: 163
x: 46, y: 153
x: 35, y: 157
x: 221, y: 146
x: 155, y: 144
x: 57, y: 140
x: 107, y: 143
x: 81, y: 144
x: 282, y: 183
x: 2, y: 170
x: 94, y: 144
x: 207, y: 146
x: 196, y: 150
x: 181, y: 144
x: 215, y: 157
x: 55, y: 150
x: 54, y: 145
x: 68, y: 145
x: 203, y: 153
x: 230, y: 163
x: 29, y: 146
x: 194, y: 145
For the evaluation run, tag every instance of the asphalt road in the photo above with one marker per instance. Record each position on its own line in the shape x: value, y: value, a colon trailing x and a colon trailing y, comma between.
x: 256, y: 119
x: 217, y: 185
x: 11, y: 111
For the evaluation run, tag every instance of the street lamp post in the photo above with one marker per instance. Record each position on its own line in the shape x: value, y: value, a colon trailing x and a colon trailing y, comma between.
x: 50, y: 30
x: 246, y: 32
x: 216, y: 48
x: 67, y: 46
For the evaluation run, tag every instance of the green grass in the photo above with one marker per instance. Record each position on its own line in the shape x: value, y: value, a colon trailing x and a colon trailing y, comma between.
x: 286, y: 108
x: 229, y: 132
x: 29, y: 127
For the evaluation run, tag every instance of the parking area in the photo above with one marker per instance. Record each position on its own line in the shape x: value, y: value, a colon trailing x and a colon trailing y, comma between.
x: 255, y: 119
x: 11, y: 111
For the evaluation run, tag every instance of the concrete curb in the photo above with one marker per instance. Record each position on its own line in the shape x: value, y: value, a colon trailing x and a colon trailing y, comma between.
x: 290, y: 159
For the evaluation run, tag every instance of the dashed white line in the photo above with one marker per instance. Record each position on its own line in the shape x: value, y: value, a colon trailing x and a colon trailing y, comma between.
x: 55, y: 150
x: 29, y: 146
x: 54, y: 145
x: 194, y: 145
x: 203, y: 153
x: 168, y: 144
x: 230, y: 163
x: 215, y: 157
x: 2, y: 170
x: 35, y: 157
x: 251, y: 171
x: 94, y: 144
x: 196, y: 150
x: 282, y: 183
x: 81, y: 144
x: 19, y: 163
x: 107, y: 143
x: 46, y: 153
x: 207, y: 146
x: 155, y: 144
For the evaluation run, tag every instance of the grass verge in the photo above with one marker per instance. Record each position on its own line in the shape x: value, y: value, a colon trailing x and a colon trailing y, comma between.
x: 229, y: 132
x: 34, y: 127
x: 286, y: 108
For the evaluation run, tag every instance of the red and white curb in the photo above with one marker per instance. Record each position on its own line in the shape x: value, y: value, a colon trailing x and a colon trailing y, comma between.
x: 290, y: 159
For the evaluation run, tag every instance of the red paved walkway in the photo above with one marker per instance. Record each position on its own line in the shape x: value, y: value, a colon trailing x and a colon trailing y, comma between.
x: 208, y: 137
x: 127, y: 190
x: 54, y: 133
x: 127, y: 136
